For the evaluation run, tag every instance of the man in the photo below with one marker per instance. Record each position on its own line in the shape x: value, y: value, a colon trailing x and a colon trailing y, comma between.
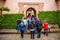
x: 39, y: 28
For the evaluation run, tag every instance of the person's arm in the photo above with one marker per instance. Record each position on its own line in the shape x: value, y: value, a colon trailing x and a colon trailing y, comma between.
x: 25, y: 26
x: 43, y: 25
x: 18, y: 29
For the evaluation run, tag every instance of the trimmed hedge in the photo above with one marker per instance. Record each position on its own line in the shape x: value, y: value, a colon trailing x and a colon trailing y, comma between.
x: 53, y: 17
x: 58, y: 18
x: 4, y: 8
x: 9, y: 21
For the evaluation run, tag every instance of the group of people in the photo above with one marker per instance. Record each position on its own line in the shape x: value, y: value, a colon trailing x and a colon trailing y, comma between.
x: 32, y: 24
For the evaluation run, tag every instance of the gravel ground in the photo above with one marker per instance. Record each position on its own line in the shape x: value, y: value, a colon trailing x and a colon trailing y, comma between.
x: 51, y: 36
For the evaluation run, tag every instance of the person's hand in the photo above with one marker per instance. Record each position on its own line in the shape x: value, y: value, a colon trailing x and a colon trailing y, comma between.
x: 26, y: 30
x: 17, y: 31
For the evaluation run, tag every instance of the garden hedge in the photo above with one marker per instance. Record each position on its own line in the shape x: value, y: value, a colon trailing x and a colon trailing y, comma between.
x: 9, y: 21
x: 53, y: 17
x: 58, y: 18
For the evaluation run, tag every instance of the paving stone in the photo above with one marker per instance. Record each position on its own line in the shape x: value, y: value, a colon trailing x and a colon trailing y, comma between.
x: 51, y: 36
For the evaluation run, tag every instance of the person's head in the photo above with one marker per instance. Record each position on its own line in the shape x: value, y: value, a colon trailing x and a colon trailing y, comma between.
x: 22, y: 22
x: 38, y: 20
x: 46, y: 21
x: 32, y: 19
x: 32, y: 22
x: 18, y: 19
x: 24, y: 18
x: 33, y: 16
x: 29, y: 14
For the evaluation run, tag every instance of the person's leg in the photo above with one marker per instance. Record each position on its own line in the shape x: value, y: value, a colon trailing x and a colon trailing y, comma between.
x: 39, y: 34
x: 46, y: 32
x: 33, y: 34
x: 28, y: 26
x: 22, y: 34
x: 49, y: 29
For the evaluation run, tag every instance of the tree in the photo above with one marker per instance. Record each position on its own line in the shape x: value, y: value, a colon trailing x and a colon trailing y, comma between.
x: 3, y: 9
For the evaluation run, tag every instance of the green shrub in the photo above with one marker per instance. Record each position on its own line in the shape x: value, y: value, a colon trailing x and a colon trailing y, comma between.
x: 53, y: 17
x: 9, y: 21
x: 0, y: 8
x: 58, y: 18
x: 0, y: 21
x: 4, y: 8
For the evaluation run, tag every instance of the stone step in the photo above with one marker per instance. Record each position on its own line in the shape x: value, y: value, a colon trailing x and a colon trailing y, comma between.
x: 14, y: 31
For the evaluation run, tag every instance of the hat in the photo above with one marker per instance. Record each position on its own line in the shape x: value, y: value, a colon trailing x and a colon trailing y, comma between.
x: 46, y: 20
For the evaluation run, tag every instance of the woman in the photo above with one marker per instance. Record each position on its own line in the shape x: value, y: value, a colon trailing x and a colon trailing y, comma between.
x: 22, y: 28
x: 32, y: 28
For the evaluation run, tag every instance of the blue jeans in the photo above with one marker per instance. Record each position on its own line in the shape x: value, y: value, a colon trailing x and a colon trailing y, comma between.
x: 22, y: 34
x: 38, y: 33
x: 32, y: 34
x: 46, y: 32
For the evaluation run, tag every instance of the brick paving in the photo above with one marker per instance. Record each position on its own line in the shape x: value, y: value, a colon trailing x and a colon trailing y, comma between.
x: 11, y: 34
x: 51, y: 36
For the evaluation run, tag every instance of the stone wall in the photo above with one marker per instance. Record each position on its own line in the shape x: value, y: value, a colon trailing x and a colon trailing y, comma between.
x: 58, y: 5
x: 23, y: 6
x: 14, y: 8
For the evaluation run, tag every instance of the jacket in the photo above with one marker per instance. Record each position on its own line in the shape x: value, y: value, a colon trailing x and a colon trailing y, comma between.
x: 45, y: 26
x: 21, y: 27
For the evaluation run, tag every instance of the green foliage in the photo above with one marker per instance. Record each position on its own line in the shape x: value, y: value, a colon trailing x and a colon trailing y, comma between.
x: 58, y: 18
x: 0, y: 8
x: 53, y: 17
x: 4, y: 8
x: 9, y: 20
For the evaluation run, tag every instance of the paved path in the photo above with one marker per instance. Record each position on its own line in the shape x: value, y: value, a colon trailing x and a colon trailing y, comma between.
x: 51, y: 36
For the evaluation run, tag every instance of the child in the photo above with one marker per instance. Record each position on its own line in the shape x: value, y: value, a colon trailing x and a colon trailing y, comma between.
x: 22, y: 28
x: 39, y: 28
x: 45, y: 27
